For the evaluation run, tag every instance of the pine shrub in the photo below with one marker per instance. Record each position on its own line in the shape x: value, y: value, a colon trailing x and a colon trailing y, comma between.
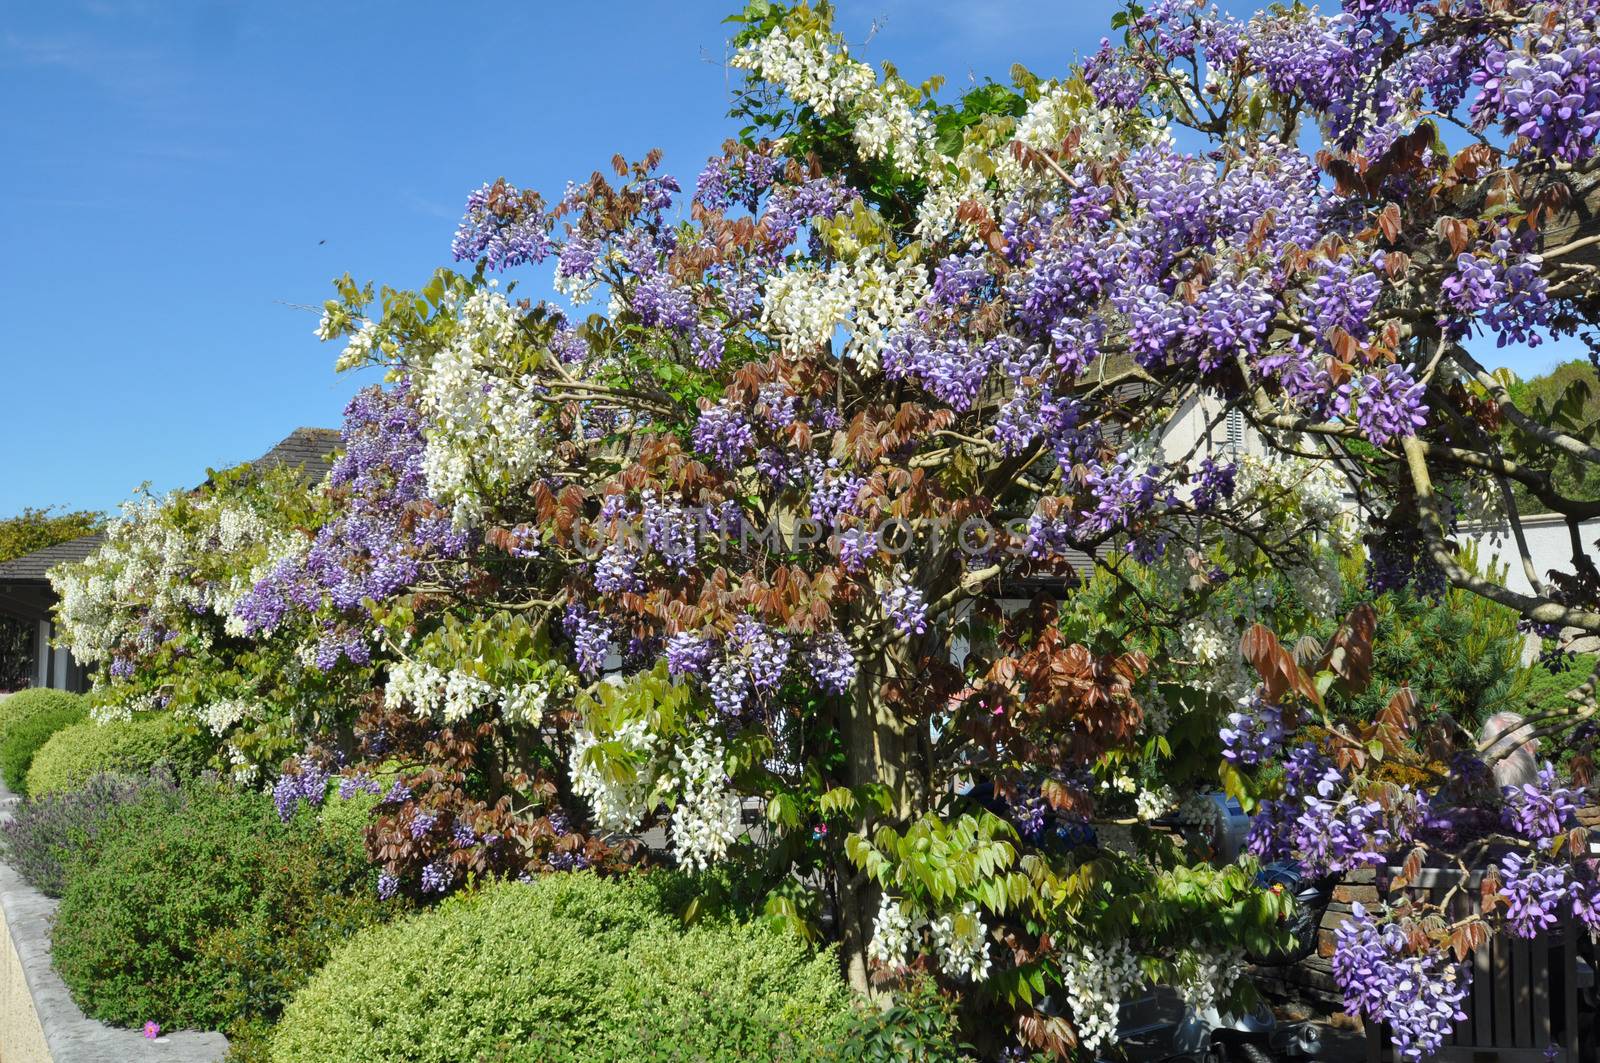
x: 14, y: 708
x: 25, y: 736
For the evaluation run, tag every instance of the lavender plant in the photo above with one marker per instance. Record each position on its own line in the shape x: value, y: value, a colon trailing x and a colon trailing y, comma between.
x: 46, y: 833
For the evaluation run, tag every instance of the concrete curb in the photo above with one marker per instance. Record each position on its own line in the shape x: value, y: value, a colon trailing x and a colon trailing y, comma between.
x: 39, y: 1023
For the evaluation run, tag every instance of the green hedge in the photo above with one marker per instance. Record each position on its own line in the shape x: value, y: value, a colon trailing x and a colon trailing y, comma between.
x: 74, y: 754
x: 208, y: 915
x: 1547, y: 692
x: 25, y: 703
x: 26, y: 735
x: 568, y: 967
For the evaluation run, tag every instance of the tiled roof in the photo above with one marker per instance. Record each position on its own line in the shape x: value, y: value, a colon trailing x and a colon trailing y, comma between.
x: 33, y: 566
x: 311, y: 449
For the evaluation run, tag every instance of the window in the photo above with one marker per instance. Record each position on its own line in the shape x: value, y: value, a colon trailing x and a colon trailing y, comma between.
x: 1235, y: 426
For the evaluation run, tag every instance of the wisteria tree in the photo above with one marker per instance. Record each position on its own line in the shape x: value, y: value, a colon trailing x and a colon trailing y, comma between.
x: 790, y: 524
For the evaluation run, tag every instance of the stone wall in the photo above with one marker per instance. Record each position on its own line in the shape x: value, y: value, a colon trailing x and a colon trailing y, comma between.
x: 1313, y: 976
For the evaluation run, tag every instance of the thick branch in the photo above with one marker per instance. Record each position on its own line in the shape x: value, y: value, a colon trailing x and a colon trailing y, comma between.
x: 1540, y: 610
x: 1536, y: 482
x: 1560, y: 440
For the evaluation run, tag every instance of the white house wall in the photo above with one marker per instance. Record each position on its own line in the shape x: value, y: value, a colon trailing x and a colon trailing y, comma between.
x: 1549, y: 545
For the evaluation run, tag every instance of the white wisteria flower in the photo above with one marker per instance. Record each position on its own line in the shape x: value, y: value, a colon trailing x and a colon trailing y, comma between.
x: 618, y: 799
x: 961, y: 940
x: 705, y: 821
x: 456, y: 694
x: 808, y: 69
x: 1095, y: 980
x: 896, y: 934
x: 220, y: 717
x: 1207, y: 977
x: 486, y: 429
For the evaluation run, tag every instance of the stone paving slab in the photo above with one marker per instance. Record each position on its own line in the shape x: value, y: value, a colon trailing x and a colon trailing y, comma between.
x: 69, y: 1035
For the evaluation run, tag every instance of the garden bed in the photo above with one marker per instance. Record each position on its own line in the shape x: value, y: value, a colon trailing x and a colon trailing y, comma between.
x: 38, y: 1020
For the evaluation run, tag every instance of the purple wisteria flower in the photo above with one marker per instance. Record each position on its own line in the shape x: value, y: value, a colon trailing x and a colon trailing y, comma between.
x: 723, y: 433
x: 905, y: 607
x: 960, y: 278
x: 1255, y: 733
x: 750, y: 667
x: 834, y: 493
x: 739, y: 180
x: 1537, y: 895
x: 578, y: 257
x: 592, y: 638
x: 1548, y: 92
x: 671, y: 531
x: 436, y: 877
x: 569, y: 860
x: 949, y: 368
x: 1214, y: 483
x: 791, y: 207
x: 1341, y: 297
x: 1387, y: 407
x: 1235, y: 313
x: 1542, y: 809
x: 660, y: 301
x: 1115, y: 82
x: 386, y: 534
x: 1418, y: 995
x: 1122, y: 493
x: 687, y: 653
x: 1325, y: 825
x: 503, y: 226
x: 308, y: 783
x: 616, y: 570
x: 360, y: 783
x: 833, y: 664
x: 1504, y: 286
x: 856, y: 549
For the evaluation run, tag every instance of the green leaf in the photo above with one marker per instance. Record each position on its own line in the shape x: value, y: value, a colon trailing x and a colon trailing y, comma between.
x: 837, y: 801
x: 784, y: 810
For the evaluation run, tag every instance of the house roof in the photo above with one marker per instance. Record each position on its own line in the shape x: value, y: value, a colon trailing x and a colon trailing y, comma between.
x: 34, y: 566
x: 309, y: 449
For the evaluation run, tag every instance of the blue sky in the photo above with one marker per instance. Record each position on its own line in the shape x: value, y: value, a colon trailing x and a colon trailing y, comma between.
x: 182, y: 178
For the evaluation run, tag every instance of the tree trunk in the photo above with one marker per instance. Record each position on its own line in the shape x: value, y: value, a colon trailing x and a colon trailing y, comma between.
x: 887, y: 747
x: 1580, y: 221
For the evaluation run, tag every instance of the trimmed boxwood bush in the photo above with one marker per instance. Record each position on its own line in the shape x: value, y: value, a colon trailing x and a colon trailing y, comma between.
x: 207, y: 915
x: 568, y: 967
x: 25, y: 736
x: 31, y: 701
x: 17, y: 707
x: 75, y: 753
x: 47, y: 833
